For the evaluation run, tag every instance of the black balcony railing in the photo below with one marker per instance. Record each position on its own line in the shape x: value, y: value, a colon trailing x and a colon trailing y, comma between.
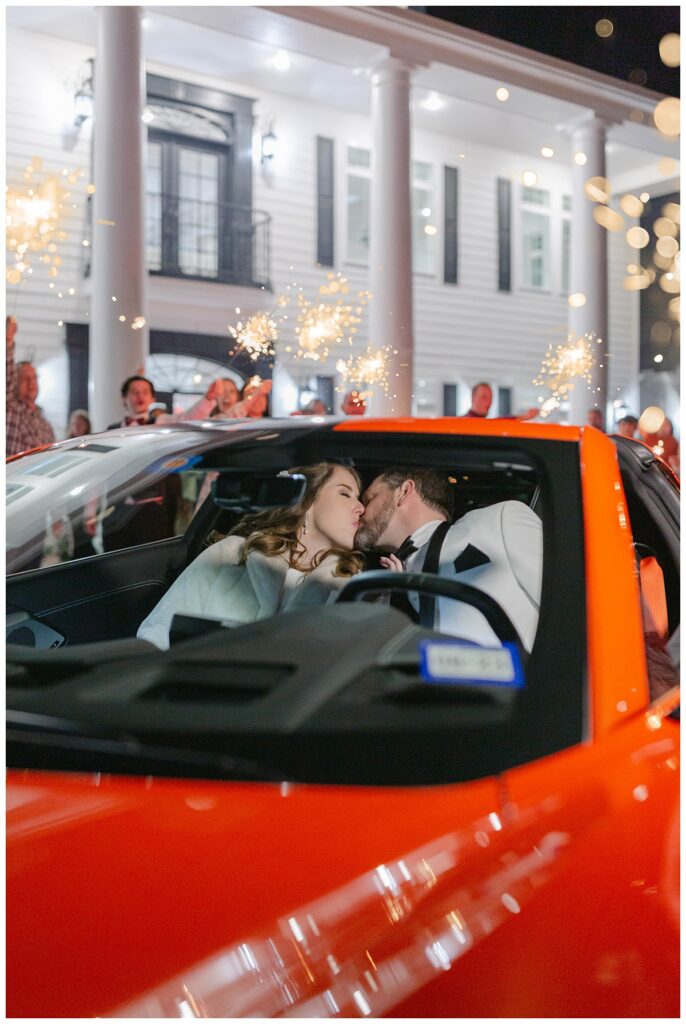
x: 205, y: 240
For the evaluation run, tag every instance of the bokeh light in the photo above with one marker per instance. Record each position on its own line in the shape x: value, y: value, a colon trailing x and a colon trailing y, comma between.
x: 664, y: 226
x: 651, y: 419
x: 604, y: 28
x: 637, y: 238
x: 667, y: 115
x: 580, y: 158
x: 608, y: 218
x: 632, y: 206
x: 598, y: 189
x: 529, y: 178
x: 673, y: 211
x: 502, y: 94
x: 577, y: 300
x: 667, y: 166
x: 667, y: 246
x: 670, y: 49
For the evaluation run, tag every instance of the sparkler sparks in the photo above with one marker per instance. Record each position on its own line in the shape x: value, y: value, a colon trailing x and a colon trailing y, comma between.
x: 33, y: 216
x: 256, y: 337
x: 321, y: 325
x: 371, y: 367
x: 562, y: 367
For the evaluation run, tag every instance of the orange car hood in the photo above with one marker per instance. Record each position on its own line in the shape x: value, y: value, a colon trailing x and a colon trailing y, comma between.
x: 131, y: 896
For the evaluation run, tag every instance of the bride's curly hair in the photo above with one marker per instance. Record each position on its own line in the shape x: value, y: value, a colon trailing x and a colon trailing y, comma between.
x: 275, y: 531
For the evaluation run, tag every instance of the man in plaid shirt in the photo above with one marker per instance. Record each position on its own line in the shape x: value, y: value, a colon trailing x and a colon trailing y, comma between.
x: 25, y: 424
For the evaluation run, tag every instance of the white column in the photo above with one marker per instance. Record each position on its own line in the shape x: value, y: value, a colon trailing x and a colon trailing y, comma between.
x: 588, y: 265
x: 391, y: 233
x: 116, y: 349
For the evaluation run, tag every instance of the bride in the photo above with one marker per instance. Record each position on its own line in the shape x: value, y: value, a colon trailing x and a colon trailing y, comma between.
x: 272, y: 561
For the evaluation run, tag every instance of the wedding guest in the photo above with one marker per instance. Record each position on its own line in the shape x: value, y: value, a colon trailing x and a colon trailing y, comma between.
x: 79, y: 423
x: 25, y: 425
x: 353, y: 403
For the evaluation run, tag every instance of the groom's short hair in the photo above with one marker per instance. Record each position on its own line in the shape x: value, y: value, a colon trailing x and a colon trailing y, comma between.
x: 433, y: 488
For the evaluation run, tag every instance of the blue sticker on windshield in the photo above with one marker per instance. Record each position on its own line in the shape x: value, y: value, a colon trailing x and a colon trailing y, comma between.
x: 456, y: 663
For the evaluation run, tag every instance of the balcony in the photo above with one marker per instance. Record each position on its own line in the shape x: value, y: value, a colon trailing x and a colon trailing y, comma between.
x: 201, y: 240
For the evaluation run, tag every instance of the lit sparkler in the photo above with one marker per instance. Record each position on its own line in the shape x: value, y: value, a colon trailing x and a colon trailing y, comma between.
x: 33, y: 217
x: 256, y: 336
x: 563, y: 366
x: 321, y: 325
x: 370, y: 368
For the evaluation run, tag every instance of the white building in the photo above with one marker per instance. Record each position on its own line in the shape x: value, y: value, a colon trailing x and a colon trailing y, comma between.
x: 340, y: 93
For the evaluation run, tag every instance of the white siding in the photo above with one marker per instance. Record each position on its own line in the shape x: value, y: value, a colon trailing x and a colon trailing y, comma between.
x: 463, y: 332
x: 41, y: 73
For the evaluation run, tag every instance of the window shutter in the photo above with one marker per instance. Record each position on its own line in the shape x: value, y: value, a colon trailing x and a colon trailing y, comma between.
x: 450, y: 179
x: 450, y: 399
x: 325, y: 200
x: 504, y: 401
x: 504, y: 235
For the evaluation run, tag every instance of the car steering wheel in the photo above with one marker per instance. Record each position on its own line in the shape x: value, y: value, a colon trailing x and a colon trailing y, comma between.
x: 381, y: 580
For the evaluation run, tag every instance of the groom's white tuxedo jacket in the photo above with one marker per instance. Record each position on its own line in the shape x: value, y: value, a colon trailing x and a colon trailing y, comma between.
x: 498, y: 549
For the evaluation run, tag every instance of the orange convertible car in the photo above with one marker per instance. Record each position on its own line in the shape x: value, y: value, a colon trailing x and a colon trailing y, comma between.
x: 298, y: 816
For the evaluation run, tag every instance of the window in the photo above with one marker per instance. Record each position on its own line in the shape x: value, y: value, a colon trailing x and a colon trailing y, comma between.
x: 424, y: 212
x: 185, y: 218
x: 545, y: 225
x: 199, y: 217
x: 198, y: 212
x: 358, y: 185
x: 424, y: 218
x: 535, y: 238
x: 153, y: 207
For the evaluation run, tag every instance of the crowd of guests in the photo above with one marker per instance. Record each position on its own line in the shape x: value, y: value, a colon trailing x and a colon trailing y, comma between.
x: 27, y: 427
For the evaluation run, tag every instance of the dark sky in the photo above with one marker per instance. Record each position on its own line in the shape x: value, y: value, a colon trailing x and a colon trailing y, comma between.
x: 569, y: 33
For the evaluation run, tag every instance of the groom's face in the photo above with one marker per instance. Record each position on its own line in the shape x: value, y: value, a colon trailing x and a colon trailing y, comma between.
x: 379, y: 509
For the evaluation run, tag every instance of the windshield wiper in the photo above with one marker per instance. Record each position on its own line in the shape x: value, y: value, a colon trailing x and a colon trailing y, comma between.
x: 47, y: 742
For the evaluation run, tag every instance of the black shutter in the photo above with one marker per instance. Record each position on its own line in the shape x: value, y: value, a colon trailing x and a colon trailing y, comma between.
x: 504, y: 401
x: 504, y: 235
x: 325, y: 202
x: 450, y: 399
x: 450, y: 179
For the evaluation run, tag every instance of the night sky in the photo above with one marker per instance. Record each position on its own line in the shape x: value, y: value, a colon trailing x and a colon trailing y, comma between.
x: 630, y: 53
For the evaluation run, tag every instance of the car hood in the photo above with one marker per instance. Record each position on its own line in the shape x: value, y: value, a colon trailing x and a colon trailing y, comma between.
x: 142, y: 897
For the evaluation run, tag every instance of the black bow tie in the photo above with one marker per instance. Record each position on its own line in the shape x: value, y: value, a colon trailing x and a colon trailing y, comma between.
x: 407, y: 548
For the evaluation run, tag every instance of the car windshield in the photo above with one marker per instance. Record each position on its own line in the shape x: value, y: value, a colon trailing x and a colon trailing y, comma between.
x: 90, y: 495
x: 340, y: 691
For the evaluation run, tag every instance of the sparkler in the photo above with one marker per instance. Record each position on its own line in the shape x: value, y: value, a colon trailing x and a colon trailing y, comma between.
x: 33, y: 217
x: 372, y: 367
x: 256, y: 336
x: 321, y: 325
x: 563, y: 366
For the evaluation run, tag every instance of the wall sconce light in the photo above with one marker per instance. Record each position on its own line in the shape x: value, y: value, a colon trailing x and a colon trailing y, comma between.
x: 268, y: 147
x: 83, y: 96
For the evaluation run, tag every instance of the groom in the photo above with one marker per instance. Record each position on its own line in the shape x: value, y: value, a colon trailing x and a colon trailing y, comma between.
x: 498, y: 549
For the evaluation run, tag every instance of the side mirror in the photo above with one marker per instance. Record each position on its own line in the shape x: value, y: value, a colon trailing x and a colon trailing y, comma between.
x: 239, y: 493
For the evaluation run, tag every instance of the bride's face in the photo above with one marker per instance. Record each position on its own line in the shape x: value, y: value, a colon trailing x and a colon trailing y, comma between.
x: 335, y: 513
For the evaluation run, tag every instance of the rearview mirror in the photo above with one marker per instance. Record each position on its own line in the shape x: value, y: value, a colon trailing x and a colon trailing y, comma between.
x: 256, y: 493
